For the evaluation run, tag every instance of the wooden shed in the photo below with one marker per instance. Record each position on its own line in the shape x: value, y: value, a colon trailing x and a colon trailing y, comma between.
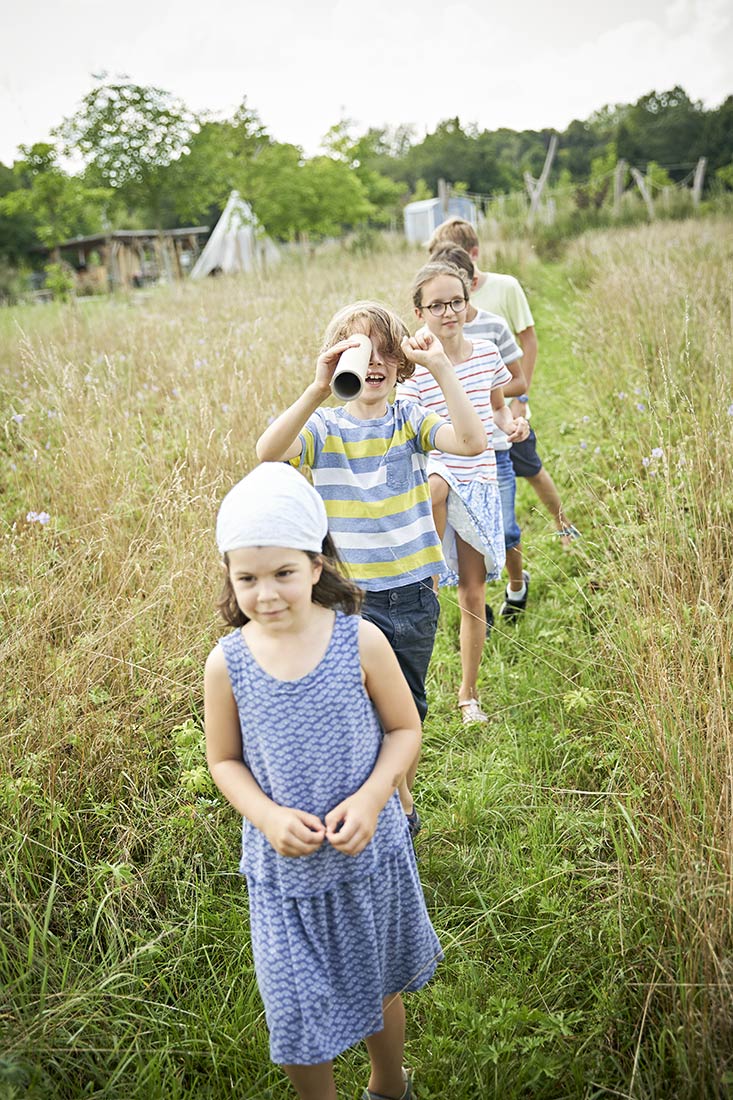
x: 124, y: 258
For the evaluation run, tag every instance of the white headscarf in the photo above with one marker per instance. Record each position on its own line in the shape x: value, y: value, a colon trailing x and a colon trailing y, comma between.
x: 274, y: 505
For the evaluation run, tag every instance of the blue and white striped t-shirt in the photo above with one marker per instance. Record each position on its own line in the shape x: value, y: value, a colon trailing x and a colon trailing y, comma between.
x: 372, y: 477
x: 490, y: 326
x: 479, y: 375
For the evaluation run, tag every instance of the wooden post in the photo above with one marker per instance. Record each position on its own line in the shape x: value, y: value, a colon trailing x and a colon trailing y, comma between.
x: 443, y: 195
x: 619, y: 175
x: 698, y: 181
x: 641, y: 184
x: 114, y: 266
x: 535, y: 189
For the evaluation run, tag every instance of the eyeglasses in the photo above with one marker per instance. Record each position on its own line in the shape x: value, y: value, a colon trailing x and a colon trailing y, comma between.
x: 438, y: 309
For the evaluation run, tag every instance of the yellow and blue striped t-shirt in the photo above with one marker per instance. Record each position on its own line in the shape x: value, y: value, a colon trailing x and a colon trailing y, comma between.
x: 371, y: 476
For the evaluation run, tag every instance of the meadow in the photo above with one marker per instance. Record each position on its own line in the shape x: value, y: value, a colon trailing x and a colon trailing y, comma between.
x: 577, y: 855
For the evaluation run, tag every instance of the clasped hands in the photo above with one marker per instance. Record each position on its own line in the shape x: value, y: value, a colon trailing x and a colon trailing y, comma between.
x: 348, y: 827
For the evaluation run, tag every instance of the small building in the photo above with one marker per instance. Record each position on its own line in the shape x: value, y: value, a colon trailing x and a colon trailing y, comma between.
x: 423, y: 217
x: 124, y: 258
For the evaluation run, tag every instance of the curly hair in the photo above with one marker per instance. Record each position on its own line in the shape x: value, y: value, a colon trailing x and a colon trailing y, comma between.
x: 333, y: 589
x: 380, y: 324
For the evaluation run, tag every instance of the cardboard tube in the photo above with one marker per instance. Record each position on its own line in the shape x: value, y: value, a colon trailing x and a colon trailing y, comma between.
x: 348, y: 378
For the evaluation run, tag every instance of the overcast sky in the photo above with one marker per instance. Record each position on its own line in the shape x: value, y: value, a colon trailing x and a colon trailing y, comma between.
x: 305, y: 64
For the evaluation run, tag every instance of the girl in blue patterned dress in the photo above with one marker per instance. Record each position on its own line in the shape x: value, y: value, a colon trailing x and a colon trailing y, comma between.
x: 464, y: 489
x: 310, y: 727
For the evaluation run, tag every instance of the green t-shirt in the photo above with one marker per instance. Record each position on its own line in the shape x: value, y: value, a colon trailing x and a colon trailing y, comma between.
x: 502, y: 294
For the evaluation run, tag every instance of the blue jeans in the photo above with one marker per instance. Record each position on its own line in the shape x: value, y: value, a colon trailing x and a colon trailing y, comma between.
x: 507, y: 491
x: 408, y: 617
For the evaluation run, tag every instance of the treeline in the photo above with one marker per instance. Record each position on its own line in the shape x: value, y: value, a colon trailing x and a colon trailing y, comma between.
x: 149, y: 162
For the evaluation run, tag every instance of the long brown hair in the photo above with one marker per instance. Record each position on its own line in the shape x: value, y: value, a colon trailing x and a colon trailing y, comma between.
x: 431, y: 271
x: 333, y: 589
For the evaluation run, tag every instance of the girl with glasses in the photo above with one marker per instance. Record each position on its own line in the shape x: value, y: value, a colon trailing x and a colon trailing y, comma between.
x: 464, y: 489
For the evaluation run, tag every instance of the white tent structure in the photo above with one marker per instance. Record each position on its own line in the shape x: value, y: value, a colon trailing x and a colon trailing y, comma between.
x: 238, y: 242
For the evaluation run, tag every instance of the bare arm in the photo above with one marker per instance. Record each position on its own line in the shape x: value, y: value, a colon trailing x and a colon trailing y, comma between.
x: 528, y: 342
x: 518, y: 383
x: 279, y: 441
x: 516, y: 429
x: 350, y: 825
x: 291, y: 832
x: 465, y: 434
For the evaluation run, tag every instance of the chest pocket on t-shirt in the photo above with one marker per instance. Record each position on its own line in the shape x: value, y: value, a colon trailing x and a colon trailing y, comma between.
x: 399, y: 471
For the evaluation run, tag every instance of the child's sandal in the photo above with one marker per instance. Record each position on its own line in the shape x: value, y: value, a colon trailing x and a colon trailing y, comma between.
x: 471, y: 712
x: 568, y: 532
x: 406, y: 1095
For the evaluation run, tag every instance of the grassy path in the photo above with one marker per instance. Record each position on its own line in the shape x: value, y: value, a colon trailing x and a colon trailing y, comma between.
x: 518, y: 853
x: 576, y: 855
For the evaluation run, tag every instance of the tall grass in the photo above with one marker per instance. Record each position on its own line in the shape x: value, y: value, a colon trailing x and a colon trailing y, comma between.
x: 576, y: 858
x: 666, y: 629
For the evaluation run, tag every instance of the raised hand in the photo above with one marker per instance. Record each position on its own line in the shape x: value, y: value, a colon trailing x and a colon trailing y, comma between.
x: 328, y: 361
x: 426, y: 350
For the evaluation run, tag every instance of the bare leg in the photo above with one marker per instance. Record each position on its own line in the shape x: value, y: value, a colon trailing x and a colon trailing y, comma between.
x: 387, y: 1048
x: 514, y: 568
x: 546, y: 490
x: 471, y: 597
x: 439, y: 490
x: 313, y: 1082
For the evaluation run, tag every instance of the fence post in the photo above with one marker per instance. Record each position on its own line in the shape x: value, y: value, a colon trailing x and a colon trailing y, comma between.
x: 535, y: 189
x: 443, y: 195
x: 619, y: 174
x: 698, y: 181
x: 645, y: 194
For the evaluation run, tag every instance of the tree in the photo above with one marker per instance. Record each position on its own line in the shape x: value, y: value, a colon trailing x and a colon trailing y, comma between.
x: 594, y: 192
x: 58, y: 206
x: 292, y: 196
x: 128, y: 135
x: 725, y: 175
x: 665, y: 127
x: 336, y: 198
x: 717, y: 139
x: 219, y: 158
x: 17, y: 227
x: 361, y: 155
